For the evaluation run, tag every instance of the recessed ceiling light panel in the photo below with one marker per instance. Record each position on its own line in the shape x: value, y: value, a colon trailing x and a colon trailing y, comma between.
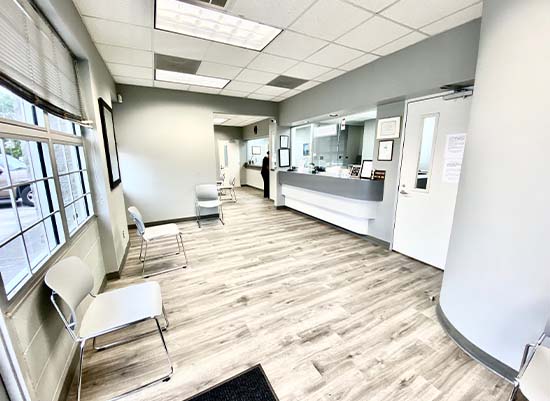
x: 190, y: 79
x: 189, y: 19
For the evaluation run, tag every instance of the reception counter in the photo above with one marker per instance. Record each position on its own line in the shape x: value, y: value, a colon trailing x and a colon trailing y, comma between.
x: 349, y: 203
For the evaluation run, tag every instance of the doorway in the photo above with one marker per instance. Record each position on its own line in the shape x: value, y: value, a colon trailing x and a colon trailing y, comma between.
x: 229, y: 152
x: 434, y: 140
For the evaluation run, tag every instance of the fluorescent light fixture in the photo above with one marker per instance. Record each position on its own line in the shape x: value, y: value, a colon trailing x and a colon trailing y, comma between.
x: 200, y: 22
x: 190, y: 79
x: 219, y: 120
x: 325, y: 130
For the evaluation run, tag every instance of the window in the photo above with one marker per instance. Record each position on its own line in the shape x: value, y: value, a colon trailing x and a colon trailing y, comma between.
x: 256, y: 150
x: 44, y: 189
x: 425, y: 155
x: 301, y: 146
x: 30, y: 217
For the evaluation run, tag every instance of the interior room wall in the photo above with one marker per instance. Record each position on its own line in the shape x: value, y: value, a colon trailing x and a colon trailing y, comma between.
x: 226, y: 133
x: 166, y: 145
x: 263, y: 130
x: 423, y: 68
x: 382, y: 227
x: 496, y: 283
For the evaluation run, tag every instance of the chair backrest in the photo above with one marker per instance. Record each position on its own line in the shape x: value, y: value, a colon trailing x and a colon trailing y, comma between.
x: 232, y: 182
x: 206, y: 192
x: 137, y: 218
x: 72, y: 281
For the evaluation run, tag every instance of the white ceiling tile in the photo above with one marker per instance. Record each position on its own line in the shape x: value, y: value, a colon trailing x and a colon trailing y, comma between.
x: 372, y: 34
x: 271, y: 90
x: 124, y: 55
x: 259, y: 96
x: 173, y: 44
x: 278, y: 13
x: 118, y: 34
x: 372, y: 5
x: 269, y: 63
x: 329, y: 19
x: 334, y: 55
x: 130, y: 71
x: 358, y: 62
x: 307, y: 85
x: 209, y: 69
x: 411, y: 13
x: 132, y: 81
x: 171, y: 85
x: 225, y: 54
x: 128, y: 11
x: 204, y: 89
x: 453, y: 20
x: 288, y: 94
x: 330, y: 75
x: 306, y: 71
x: 257, y: 77
x: 400, y: 43
x: 229, y: 92
x: 242, y: 86
x: 294, y: 45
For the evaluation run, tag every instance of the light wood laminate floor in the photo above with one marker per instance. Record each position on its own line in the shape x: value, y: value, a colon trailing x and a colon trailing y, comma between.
x: 330, y: 316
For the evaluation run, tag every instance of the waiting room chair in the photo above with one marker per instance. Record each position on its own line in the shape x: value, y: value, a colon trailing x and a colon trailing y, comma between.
x: 229, y: 188
x: 149, y: 234
x: 72, y: 281
x: 207, y: 197
x: 534, y: 374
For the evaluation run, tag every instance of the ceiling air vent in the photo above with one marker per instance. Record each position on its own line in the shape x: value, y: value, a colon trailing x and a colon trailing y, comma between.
x: 282, y: 81
x: 217, y: 3
x: 176, y: 64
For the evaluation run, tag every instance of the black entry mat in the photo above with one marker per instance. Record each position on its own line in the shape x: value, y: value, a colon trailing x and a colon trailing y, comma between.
x: 250, y: 385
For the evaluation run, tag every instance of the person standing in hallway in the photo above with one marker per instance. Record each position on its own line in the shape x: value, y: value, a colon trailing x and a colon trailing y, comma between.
x: 265, y: 174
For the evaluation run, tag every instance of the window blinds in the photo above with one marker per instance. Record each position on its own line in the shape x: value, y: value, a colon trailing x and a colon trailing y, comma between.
x: 34, y: 62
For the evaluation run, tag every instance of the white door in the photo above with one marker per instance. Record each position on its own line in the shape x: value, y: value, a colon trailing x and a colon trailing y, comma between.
x: 434, y: 139
x: 230, y: 160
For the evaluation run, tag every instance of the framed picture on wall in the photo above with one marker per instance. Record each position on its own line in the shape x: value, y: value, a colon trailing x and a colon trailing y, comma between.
x: 388, y: 128
x: 256, y: 150
x: 109, y: 139
x: 284, y: 157
x: 284, y: 141
x: 385, y: 151
x: 305, y: 150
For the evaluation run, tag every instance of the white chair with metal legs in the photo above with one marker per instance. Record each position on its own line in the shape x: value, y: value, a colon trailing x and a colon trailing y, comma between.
x: 534, y: 374
x: 149, y: 234
x: 207, y: 197
x: 229, y: 188
x: 72, y: 281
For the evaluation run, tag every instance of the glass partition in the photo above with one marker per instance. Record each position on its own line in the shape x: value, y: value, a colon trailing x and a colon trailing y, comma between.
x: 256, y: 150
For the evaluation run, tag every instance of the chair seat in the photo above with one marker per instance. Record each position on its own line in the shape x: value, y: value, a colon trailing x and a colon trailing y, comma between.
x: 535, y: 382
x: 117, y: 308
x: 165, y: 230
x: 208, y: 204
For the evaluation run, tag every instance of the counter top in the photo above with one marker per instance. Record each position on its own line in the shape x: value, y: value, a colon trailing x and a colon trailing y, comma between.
x: 347, y: 187
x: 253, y: 167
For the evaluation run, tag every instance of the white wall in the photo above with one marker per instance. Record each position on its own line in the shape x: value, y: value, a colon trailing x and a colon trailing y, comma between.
x: 496, y: 287
x: 166, y: 146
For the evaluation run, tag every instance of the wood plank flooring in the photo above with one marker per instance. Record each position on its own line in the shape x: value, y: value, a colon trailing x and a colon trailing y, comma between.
x: 330, y: 316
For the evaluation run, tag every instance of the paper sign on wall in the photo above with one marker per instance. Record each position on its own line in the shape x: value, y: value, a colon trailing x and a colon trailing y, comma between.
x: 454, y: 152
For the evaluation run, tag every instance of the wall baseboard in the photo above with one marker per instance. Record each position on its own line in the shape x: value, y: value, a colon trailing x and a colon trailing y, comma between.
x: 178, y: 220
x: 491, y: 363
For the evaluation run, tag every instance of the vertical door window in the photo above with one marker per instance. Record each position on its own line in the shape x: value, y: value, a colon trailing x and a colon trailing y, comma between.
x: 426, y: 152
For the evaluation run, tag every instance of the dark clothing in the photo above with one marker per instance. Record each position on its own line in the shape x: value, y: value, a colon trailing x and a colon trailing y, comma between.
x: 265, y: 176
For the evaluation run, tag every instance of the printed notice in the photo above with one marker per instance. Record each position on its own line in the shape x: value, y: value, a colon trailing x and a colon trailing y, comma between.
x: 454, y: 152
x: 454, y: 148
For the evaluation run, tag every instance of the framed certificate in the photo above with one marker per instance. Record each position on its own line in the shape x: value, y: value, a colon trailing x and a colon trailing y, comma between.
x: 388, y: 128
x: 366, y: 169
x: 284, y: 157
x: 385, y: 151
x: 284, y: 141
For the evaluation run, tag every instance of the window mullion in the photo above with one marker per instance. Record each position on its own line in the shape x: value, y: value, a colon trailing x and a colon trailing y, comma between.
x: 60, y: 201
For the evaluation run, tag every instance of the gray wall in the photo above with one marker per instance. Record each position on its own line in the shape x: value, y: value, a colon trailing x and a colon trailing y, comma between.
x: 496, y: 286
x: 263, y: 130
x: 224, y: 133
x: 417, y: 70
x: 382, y: 226
x: 166, y: 145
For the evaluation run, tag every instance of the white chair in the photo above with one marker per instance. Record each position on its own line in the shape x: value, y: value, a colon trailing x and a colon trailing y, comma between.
x: 72, y: 281
x: 149, y: 234
x: 534, y: 374
x: 206, y: 197
x: 229, y: 188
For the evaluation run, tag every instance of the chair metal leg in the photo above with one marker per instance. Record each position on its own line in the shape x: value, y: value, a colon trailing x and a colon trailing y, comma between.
x: 183, y: 249
x: 514, y: 392
x: 141, y: 250
x: 143, y: 261
x: 81, y: 363
x: 220, y: 213
x: 198, y: 214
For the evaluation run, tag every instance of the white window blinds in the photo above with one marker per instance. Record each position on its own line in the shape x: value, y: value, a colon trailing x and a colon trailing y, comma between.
x: 35, y: 60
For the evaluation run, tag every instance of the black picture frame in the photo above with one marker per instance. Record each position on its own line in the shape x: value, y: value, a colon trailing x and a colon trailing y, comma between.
x: 380, y: 145
x: 110, y: 144
x: 284, y: 141
x: 365, y: 171
x: 284, y: 157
